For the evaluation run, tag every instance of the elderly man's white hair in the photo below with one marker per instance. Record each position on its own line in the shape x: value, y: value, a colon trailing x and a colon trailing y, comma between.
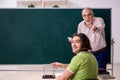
x: 87, y: 8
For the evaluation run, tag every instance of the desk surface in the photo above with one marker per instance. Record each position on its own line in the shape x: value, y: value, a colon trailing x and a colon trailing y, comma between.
x: 105, y: 77
x: 34, y: 75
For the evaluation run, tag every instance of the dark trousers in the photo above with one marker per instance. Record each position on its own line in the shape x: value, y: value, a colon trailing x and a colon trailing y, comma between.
x: 101, y: 58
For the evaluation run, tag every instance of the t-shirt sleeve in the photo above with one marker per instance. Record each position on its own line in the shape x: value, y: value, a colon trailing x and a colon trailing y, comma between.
x: 74, y: 64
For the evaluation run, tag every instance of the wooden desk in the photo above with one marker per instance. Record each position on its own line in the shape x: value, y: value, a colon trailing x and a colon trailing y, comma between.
x: 105, y: 77
x: 100, y: 77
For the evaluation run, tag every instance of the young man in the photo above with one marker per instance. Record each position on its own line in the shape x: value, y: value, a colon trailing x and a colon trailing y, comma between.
x: 83, y: 65
x: 93, y: 27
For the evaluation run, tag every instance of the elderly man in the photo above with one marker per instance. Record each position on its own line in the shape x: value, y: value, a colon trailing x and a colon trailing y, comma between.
x: 93, y: 27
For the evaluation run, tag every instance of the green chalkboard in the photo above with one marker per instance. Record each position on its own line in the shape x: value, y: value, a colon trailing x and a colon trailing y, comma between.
x: 39, y: 36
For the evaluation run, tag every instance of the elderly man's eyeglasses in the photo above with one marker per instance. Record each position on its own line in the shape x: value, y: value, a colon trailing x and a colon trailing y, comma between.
x: 87, y: 15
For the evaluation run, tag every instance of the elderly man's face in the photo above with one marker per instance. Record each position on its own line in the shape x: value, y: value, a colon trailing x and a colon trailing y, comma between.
x: 87, y: 16
x: 76, y: 44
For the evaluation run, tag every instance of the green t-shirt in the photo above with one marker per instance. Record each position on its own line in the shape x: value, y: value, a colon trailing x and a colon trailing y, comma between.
x: 84, y: 66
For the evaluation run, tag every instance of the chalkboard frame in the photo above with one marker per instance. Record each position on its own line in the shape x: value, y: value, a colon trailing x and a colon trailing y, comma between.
x: 6, y: 48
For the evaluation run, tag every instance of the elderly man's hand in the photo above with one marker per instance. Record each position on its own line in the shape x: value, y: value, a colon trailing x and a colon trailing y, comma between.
x: 94, y: 28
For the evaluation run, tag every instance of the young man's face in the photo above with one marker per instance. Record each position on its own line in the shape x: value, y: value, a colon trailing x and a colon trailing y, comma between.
x: 87, y: 16
x: 76, y: 44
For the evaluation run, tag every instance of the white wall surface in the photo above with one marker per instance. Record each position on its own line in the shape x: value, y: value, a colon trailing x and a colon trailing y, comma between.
x: 114, y: 4
x: 7, y: 3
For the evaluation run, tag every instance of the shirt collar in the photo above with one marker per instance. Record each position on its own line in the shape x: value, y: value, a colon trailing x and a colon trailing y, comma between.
x: 80, y: 52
